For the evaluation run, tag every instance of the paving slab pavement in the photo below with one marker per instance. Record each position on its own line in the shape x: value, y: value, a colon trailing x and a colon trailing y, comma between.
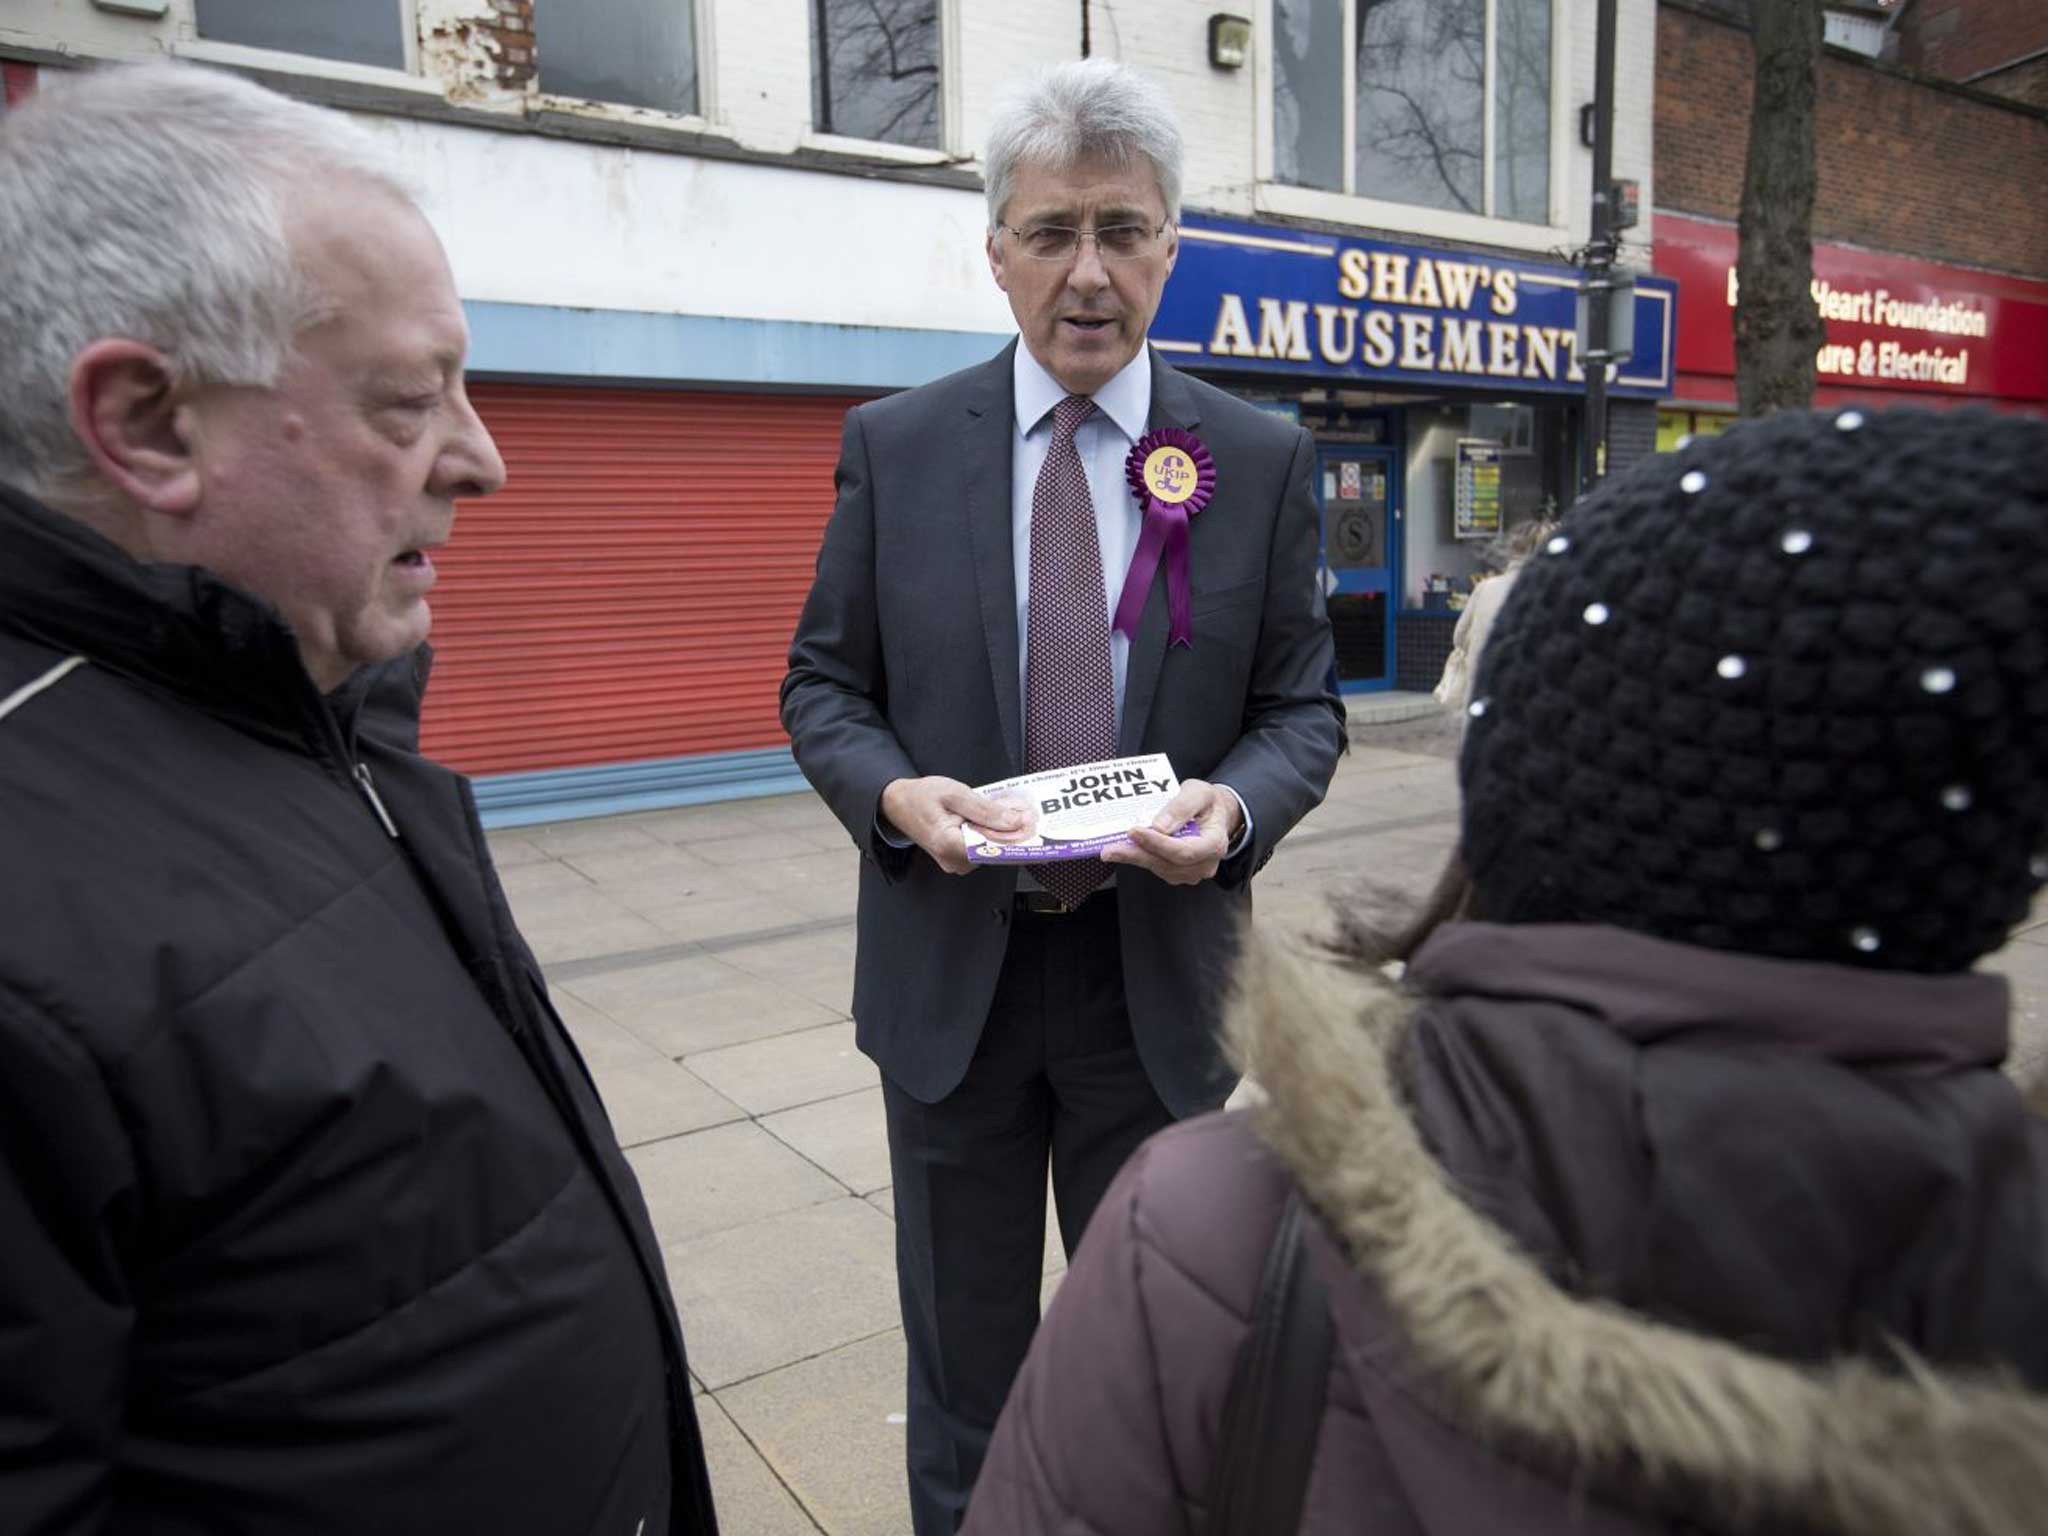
x: 844, y: 1136
x: 752, y: 1499
x: 703, y: 960
x: 773, y: 1293
x: 830, y: 1429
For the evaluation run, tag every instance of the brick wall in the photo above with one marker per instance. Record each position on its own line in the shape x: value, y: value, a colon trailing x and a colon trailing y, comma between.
x: 1904, y: 165
x: 1955, y: 39
x: 480, y: 51
x: 512, y: 31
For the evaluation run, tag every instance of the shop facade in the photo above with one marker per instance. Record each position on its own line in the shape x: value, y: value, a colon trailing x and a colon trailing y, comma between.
x: 1899, y: 330
x: 1444, y: 392
x: 1930, y: 234
x: 689, y: 238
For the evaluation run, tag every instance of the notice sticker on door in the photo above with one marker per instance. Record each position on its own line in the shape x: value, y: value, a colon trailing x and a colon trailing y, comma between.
x: 1350, y: 481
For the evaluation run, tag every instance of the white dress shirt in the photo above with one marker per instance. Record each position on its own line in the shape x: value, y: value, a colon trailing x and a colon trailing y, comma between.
x: 1103, y: 441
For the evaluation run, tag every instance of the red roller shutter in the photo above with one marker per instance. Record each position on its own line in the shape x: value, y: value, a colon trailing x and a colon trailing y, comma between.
x: 17, y: 84
x: 631, y: 592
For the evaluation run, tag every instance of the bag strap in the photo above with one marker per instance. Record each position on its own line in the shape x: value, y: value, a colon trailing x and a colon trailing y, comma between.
x: 1275, y: 1404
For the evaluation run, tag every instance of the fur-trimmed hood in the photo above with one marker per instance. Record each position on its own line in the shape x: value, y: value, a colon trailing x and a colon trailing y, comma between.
x: 1600, y: 1394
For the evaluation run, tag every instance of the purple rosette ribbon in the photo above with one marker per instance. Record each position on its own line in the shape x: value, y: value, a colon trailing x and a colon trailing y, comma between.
x: 1172, y: 475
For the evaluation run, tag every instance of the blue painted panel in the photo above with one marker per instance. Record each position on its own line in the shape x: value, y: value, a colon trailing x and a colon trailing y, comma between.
x: 568, y: 794
x: 543, y: 340
x: 1255, y: 298
x: 1361, y: 580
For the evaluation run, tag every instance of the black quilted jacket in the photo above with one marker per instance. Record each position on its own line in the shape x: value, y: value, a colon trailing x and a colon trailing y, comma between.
x: 310, y: 1219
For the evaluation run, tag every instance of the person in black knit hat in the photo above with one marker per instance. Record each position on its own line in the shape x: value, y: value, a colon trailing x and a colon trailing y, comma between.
x: 1785, y: 692
x: 1676, y: 1185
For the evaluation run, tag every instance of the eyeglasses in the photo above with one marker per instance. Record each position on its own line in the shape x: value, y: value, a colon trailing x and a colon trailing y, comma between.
x: 1060, y: 242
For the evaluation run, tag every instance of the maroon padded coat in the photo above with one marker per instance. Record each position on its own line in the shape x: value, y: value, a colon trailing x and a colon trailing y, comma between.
x: 1553, y: 1195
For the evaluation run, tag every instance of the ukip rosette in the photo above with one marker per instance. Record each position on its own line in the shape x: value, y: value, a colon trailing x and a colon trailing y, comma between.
x: 1172, y: 475
x: 1075, y: 813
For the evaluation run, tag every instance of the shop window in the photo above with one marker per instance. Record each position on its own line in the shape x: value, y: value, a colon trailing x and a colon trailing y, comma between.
x: 1674, y: 427
x: 1432, y: 103
x: 1521, y: 110
x: 637, y: 53
x: 1511, y: 426
x: 1308, y: 93
x: 1475, y: 472
x: 875, y: 70
x: 353, y: 31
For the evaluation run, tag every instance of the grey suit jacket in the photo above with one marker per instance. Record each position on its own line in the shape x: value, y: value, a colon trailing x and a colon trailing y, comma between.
x: 905, y: 663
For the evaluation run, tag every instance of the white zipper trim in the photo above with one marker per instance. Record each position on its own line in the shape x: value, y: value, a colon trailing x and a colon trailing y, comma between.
x: 362, y: 778
x: 49, y: 679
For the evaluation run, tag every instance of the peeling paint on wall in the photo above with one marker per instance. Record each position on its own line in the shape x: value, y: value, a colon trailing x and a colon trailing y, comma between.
x: 480, y: 52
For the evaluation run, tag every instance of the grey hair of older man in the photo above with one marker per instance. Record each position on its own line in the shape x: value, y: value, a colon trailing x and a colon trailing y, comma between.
x: 1093, y: 109
x: 149, y: 202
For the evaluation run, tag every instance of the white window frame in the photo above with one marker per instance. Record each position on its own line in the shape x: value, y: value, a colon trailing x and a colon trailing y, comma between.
x: 1272, y: 196
x: 181, y: 29
x: 703, y: 121
x: 883, y: 149
x: 186, y: 43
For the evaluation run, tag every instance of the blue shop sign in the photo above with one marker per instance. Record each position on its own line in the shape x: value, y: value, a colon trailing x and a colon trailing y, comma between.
x: 1254, y: 298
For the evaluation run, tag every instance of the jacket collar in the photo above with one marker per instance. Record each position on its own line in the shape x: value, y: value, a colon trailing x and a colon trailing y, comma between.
x: 182, y: 630
x: 1652, y: 990
x: 1173, y: 402
x: 1588, y: 1391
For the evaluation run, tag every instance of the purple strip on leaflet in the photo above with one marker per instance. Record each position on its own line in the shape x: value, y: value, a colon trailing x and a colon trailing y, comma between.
x: 1052, y: 853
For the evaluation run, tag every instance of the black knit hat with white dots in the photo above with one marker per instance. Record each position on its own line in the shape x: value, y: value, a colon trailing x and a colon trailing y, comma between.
x: 1784, y: 691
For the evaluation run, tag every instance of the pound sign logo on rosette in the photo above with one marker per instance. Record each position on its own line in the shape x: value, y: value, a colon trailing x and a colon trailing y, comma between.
x: 1172, y: 476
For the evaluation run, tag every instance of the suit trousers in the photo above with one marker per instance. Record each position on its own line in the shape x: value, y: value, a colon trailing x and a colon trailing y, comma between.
x: 1055, y: 1078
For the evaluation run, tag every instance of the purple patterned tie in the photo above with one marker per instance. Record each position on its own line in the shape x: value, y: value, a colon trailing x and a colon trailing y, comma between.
x: 1070, y: 703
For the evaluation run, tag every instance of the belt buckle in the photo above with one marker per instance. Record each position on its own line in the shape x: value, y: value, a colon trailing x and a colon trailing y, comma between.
x: 1043, y: 904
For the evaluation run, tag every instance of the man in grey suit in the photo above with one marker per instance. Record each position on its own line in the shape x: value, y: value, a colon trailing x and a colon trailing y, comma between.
x: 960, y: 632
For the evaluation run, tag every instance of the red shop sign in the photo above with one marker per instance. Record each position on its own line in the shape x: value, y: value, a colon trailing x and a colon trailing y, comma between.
x: 1892, y: 323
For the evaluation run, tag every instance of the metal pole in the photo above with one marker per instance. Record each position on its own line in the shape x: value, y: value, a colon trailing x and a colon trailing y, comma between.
x: 1084, y: 29
x: 1600, y: 254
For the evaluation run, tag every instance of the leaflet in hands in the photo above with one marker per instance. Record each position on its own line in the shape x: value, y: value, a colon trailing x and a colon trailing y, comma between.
x: 1075, y: 813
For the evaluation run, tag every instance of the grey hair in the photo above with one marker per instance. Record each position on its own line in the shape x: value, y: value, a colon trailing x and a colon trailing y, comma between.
x: 1087, y: 110
x: 148, y: 202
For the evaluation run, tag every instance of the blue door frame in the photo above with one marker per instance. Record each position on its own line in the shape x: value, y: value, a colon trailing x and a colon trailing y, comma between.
x: 1358, y: 581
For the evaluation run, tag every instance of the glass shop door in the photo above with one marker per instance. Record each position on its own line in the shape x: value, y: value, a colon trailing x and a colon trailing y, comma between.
x: 1359, y: 488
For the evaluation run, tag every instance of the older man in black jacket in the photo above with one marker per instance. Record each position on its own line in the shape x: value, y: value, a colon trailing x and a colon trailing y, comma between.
x: 310, y: 1220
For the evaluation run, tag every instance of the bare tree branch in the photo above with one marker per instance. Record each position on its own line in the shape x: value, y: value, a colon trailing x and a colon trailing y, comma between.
x: 1409, y: 53
x: 880, y: 59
